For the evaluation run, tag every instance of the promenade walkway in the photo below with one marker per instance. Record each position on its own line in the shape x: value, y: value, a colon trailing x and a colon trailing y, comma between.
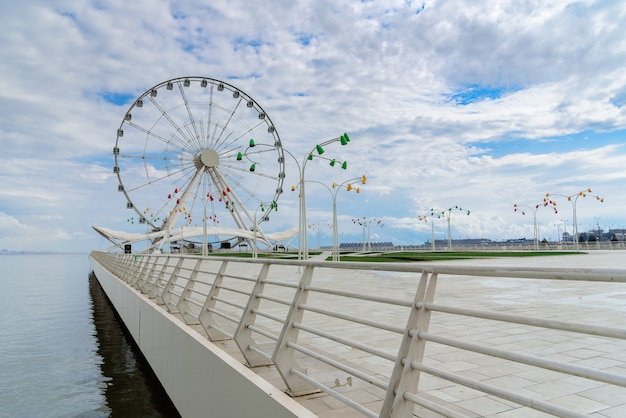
x: 566, y: 300
x: 500, y: 334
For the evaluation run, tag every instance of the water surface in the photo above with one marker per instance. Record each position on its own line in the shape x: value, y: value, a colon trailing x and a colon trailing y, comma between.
x: 63, y: 352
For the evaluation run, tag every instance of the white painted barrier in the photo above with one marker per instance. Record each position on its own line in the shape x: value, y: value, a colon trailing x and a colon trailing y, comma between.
x: 201, y: 379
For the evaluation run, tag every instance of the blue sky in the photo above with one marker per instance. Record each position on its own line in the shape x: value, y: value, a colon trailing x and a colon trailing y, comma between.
x: 466, y: 103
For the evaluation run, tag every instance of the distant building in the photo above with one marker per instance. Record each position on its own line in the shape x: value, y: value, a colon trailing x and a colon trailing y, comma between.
x: 358, y: 246
x: 617, y: 234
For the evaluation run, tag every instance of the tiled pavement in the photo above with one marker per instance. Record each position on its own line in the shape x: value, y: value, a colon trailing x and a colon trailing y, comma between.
x: 594, y: 303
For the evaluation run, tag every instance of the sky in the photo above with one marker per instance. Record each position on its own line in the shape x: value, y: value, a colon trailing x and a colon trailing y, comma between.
x: 470, y: 104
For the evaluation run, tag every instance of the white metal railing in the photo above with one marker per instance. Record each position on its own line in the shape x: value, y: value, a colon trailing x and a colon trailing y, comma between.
x: 350, y: 329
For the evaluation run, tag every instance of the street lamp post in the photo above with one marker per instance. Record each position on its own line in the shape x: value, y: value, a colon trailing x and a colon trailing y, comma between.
x: 599, y: 238
x: 447, y: 213
x: 369, y: 237
x: 545, y: 203
x: 334, y: 190
x: 207, y: 197
x: 564, y: 229
x: 424, y: 218
x: 317, y: 151
x: 573, y: 199
x: 271, y: 205
x: 366, y: 223
x: 315, y: 227
x: 204, y: 238
x: 362, y: 223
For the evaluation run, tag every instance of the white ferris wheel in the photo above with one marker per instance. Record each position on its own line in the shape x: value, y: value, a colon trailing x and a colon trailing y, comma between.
x: 192, y: 150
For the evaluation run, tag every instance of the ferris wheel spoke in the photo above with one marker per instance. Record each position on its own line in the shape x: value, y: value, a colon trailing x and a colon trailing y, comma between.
x: 218, y: 140
x: 238, y: 183
x: 146, y: 157
x: 209, y: 117
x: 232, y: 168
x: 193, y: 134
x: 234, y: 140
x: 154, y: 135
x: 219, y: 180
x: 183, y: 142
x: 155, y: 180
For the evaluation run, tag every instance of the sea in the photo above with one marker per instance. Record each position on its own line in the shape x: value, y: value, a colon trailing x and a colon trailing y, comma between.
x: 63, y: 351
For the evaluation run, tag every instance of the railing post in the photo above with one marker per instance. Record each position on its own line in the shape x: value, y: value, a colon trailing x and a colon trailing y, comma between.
x: 145, y: 273
x: 167, y: 290
x: 243, y: 334
x: 142, y: 279
x: 150, y: 282
x: 206, y: 316
x: 126, y: 268
x: 155, y: 287
x: 284, y: 355
x: 183, y: 303
x: 404, y: 378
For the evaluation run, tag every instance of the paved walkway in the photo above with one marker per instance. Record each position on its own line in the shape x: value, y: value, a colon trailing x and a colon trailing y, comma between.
x: 602, y: 303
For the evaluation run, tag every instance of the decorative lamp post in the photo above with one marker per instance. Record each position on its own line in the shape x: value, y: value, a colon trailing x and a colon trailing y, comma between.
x: 432, y: 230
x: 365, y: 222
x: 205, y: 200
x: 334, y: 190
x: 546, y: 203
x: 564, y: 228
x: 204, y: 238
x: 599, y: 238
x: 316, y: 152
x: 379, y: 222
x: 315, y: 227
x: 447, y: 213
x: 271, y: 205
x: 573, y: 199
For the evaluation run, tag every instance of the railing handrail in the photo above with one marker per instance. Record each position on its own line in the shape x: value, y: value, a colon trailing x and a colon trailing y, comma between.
x: 251, y: 297
x: 603, y: 274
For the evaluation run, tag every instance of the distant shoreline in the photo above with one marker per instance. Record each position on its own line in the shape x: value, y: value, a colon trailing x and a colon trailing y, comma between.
x: 8, y: 252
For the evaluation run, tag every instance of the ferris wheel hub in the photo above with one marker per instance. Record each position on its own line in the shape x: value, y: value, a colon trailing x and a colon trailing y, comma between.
x: 209, y: 158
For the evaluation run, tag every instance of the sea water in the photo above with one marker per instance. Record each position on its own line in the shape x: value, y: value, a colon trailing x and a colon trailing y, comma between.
x: 63, y: 351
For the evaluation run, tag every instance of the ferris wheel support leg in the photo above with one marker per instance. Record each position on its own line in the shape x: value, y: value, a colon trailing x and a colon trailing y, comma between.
x: 171, y: 220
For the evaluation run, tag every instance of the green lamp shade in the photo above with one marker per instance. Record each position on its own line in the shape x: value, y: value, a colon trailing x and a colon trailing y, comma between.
x: 239, y: 156
x: 332, y: 163
x: 345, y: 139
x: 319, y: 149
x: 310, y: 157
x: 252, y: 167
x: 251, y: 142
x: 344, y: 165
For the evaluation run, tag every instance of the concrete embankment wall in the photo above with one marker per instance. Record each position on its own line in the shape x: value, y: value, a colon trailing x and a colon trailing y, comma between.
x: 201, y: 379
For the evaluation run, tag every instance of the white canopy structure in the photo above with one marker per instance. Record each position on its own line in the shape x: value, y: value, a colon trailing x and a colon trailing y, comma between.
x: 120, y: 238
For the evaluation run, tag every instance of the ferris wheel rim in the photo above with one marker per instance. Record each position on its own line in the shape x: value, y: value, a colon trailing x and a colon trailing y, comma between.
x: 205, y: 161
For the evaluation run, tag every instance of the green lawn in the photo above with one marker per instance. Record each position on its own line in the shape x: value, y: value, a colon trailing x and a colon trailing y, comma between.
x: 444, y: 255
x: 405, y: 257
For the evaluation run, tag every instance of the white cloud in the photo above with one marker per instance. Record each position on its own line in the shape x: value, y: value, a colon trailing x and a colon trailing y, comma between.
x: 387, y: 72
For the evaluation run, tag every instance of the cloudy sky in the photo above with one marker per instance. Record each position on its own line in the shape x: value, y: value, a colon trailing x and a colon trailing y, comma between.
x: 474, y: 104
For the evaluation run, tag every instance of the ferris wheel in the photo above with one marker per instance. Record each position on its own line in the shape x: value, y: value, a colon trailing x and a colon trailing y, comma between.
x: 192, y: 150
